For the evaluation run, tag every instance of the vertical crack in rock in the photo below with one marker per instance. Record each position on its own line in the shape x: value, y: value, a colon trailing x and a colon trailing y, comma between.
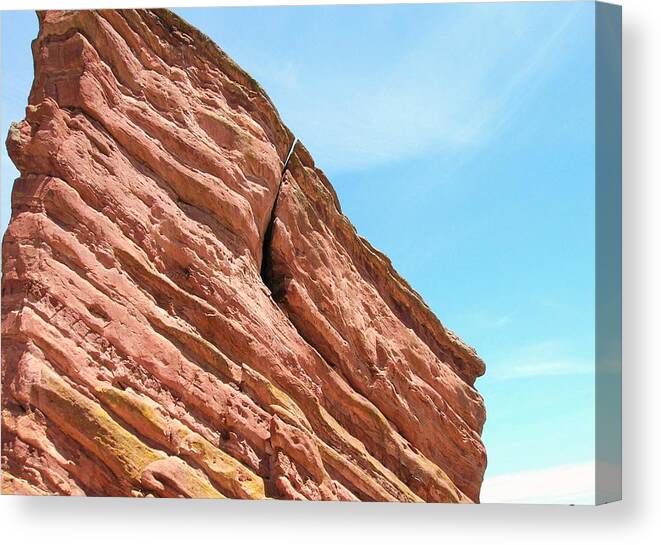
x: 266, y: 247
x: 142, y: 353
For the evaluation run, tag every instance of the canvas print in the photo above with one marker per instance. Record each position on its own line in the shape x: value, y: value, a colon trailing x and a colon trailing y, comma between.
x: 352, y: 253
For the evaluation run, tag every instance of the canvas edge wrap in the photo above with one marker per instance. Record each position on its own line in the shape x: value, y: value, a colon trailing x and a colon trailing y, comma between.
x: 608, y: 253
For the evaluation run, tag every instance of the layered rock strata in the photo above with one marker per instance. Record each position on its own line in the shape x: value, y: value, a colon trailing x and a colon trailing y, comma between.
x: 185, y: 316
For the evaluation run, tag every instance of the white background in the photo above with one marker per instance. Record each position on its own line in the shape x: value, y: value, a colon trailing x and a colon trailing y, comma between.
x: 106, y: 521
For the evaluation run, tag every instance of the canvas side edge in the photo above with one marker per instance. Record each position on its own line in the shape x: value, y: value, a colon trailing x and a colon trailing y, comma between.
x: 608, y: 253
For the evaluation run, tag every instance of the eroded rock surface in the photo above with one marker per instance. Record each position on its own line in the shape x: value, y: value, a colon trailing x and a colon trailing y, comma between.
x: 183, y: 316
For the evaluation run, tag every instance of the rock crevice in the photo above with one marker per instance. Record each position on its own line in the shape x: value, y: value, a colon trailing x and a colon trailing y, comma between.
x: 268, y: 234
x: 186, y: 312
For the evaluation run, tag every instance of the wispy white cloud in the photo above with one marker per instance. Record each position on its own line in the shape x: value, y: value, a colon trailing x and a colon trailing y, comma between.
x: 546, y: 368
x: 484, y: 320
x: 564, y: 484
x: 453, y: 88
x: 542, y: 359
x: 286, y: 75
x: 502, y: 321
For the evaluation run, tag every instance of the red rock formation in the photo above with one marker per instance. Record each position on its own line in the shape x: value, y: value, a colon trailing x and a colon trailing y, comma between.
x: 180, y: 318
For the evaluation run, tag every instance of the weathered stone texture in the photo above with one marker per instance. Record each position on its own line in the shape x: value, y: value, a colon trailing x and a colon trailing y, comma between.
x: 182, y: 318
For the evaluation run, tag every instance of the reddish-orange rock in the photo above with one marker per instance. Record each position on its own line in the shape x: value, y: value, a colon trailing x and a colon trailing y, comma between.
x: 180, y: 317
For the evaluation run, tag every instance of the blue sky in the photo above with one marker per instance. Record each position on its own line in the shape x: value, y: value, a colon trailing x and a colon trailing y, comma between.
x: 460, y: 140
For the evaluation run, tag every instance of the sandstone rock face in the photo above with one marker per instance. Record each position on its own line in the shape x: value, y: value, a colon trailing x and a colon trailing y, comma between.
x: 184, y: 315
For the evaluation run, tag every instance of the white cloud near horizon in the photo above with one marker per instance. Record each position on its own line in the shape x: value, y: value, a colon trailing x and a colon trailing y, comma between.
x: 564, y: 484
